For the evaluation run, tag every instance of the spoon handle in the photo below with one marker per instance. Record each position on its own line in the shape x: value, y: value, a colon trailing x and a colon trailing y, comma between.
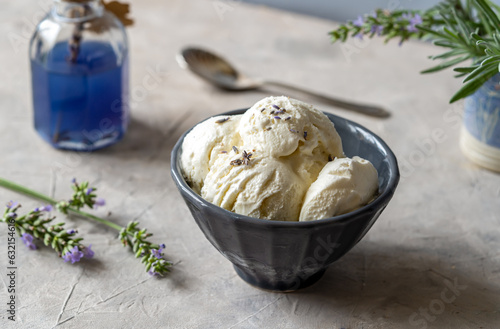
x: 372, y: 110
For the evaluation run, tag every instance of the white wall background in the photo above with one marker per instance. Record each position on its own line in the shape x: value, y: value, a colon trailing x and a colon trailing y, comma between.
x: 343, y: 10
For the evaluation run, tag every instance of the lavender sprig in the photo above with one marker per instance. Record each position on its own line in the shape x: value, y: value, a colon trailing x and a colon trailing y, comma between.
x: 70, y: 248
x: 83, y: 195
x: 400, y: 23
x: 35, y: 225
x: 150, y: 254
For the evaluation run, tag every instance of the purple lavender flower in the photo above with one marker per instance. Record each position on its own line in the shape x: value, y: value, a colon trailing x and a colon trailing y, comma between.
x: 28, y: 241
x: 406, y: 16
x: 99, y: 202
x: 378, y: 29
x: 416, y: 20
x: 152, y: 272
x: 88, y: 252
x: 358, y: 22
x: 73, y: 181
x: 74, y: 255
x: 411, y: 28
x: 12, y: 204
x: 71, y: 231
x: 157, y: 252
x: 162, y: 246
x: 47, y: 208
x: 359, y: 36
x: 12, y: 215
x: 89, y: 190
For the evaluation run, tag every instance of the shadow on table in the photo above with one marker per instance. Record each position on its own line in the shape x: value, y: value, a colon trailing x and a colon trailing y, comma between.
x: 409, y: 286
x: 148, y: 141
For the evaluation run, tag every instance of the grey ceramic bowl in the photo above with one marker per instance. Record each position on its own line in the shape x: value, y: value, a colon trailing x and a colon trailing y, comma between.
x: 286, y: 256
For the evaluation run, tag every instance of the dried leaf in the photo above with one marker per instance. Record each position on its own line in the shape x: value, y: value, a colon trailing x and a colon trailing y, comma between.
x: 120, y: 10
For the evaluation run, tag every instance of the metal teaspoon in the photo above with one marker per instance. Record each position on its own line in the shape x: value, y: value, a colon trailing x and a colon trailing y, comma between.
x: 219, y: 72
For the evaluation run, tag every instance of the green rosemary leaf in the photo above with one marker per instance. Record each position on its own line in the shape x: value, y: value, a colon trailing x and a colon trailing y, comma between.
x: 452, y: 34
x: 431, y: 31
x: 460, y: 75
x: 464, y: 69
x: 473, y: 85
x: 447, y: 64
x: 479, y: 71
x: 451, y: 53
x: 444, y: 43
x: 491, y: 60
x: 483, y: 7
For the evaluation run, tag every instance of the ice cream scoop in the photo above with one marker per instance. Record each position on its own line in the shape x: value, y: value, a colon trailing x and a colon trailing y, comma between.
x: 343, y: 185
x: 266, y: 188
x: 203, y: 145
x: 291, y: 130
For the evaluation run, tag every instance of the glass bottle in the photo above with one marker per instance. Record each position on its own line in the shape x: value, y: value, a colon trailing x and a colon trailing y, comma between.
x: 80, y: 78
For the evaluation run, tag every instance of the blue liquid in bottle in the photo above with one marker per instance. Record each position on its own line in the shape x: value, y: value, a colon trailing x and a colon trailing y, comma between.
x: 80, y: 105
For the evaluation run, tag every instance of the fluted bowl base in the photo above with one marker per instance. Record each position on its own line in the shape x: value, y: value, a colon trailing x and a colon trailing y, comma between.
x: 277, y: 285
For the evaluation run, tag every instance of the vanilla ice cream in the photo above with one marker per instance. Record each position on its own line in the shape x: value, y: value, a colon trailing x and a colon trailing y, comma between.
x: 342, y: 186
x: 266, y: 188
x: 285, y: 128
x: 266, y: 162
x: 204, y: 143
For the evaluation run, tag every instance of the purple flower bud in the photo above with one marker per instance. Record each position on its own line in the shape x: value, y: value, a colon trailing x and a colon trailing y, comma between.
x: 406, y: 16
x: 89, y: 190
x: 378, y: 29
x: 411, y: 28
x: 359, y: 36
x: 417, y: 19
x: 28, y: 241
x: 153, y: 273
x: 162, y: 246
x: 47, y: 208
x: 157, y: 253
x: 71, y: 231
x: 12, y: 215
x: 88, y: 252
x: 358, y: 22
x: 99, y: 202
x: 11, y: 204
x: 73, y: 181
x: 74, y: 255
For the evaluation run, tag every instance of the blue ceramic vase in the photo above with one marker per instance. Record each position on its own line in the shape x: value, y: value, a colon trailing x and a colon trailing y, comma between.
x: 480, y: 138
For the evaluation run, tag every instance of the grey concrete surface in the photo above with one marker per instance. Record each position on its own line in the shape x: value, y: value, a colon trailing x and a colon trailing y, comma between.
x: 432, y: 259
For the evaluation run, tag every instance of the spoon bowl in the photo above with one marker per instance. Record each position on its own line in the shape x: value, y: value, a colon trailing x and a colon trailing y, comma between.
x: 214, y: 69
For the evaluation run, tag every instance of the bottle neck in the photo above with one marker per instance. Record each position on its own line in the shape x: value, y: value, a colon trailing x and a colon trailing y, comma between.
x: 77, y: 10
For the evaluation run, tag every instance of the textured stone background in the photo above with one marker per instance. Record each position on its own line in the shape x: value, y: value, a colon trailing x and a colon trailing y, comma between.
x: 442, y: 225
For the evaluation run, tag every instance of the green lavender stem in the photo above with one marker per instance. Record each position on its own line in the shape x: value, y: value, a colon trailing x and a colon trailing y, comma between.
x: 33, y: 194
